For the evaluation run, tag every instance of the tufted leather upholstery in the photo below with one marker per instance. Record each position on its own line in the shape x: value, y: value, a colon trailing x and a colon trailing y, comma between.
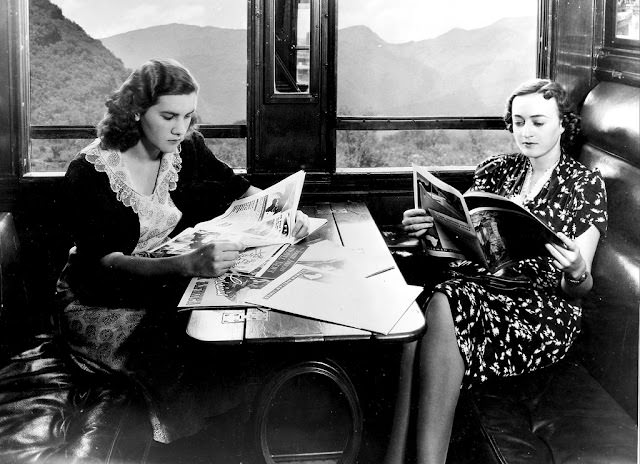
x: 611, y: 121
x: 584, y: 409
x: 51, y: 413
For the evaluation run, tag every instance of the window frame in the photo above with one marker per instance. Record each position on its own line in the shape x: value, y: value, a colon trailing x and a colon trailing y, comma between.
x: 22, y: 132
x: 269, y: 41
x: 618, y: 60
x: 610, y: 39
x: 452, y: 122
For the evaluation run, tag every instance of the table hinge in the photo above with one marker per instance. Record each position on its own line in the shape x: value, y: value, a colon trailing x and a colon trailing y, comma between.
x: 252, y: 314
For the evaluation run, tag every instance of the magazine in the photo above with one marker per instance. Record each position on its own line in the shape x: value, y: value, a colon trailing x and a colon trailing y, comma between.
x: 339, y: 297
x: 234, y: 288
x: 263, y: 219
x: 480, y: 226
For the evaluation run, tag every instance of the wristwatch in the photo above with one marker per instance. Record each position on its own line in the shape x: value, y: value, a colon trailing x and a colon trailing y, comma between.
x: 571, y: 281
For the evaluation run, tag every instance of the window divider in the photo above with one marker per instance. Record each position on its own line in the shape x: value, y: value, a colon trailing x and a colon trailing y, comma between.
x: 418, y: 123
x: 237, y: 131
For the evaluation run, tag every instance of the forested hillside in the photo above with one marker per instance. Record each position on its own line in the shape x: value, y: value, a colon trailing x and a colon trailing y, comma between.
x: 71, y: 73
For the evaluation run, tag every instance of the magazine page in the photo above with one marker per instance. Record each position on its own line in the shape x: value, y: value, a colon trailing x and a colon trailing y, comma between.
x: 254, y: 271
x: 252, y: 260
x: 249, y: 261
x: 191, y: 239
x: 265, y: 218
x: 453, y: 234
x: 227, y: 291
x: 508, y: 233
x: 337, y: 297
x: 261, y: 220
x: 476, y: 200
x: 326, y: 255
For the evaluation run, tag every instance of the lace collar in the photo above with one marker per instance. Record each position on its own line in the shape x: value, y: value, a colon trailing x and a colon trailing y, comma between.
x: 110, y: 162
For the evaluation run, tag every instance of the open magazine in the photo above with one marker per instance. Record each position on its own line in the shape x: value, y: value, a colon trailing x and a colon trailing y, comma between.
x: 260, y: 220
x: 233, y: 289
x: 480, y: 226
x: 339, y: 297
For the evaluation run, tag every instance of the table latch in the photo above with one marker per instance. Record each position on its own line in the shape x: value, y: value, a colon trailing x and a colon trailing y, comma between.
x: 251, y: 314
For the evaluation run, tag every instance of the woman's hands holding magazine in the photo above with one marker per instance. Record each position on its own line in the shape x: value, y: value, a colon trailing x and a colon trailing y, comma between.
x: 212, y: 259
x: 416, y: 222
x: 216, y: 258
x: 567, y: 258
x: 301, y: 227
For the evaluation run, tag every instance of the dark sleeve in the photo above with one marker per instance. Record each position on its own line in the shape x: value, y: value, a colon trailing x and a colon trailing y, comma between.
x: 97, y: 221
x: 590, y: 204
x: 206, y: 185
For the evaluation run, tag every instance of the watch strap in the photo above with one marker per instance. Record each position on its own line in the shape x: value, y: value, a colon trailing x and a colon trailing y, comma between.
x: 570, y: 280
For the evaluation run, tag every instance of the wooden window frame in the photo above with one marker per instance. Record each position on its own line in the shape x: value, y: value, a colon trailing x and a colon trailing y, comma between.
x: 15, y: 14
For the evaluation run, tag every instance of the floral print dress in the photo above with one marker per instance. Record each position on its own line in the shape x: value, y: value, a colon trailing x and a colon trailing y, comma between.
x: 505, y: 333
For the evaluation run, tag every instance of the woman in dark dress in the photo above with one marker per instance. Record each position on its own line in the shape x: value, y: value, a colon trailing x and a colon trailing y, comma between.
x: 148, y: 176
x: 476, y: 331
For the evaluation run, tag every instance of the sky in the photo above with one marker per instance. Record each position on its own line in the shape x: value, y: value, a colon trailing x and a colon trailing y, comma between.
x: 395, y: 21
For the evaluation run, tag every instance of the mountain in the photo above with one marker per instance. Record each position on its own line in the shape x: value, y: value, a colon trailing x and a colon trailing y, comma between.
x: 217, y: 57
x: 459, y: 73
x: 480, y: 65
x: 71, y: 73
x: 369, y: 66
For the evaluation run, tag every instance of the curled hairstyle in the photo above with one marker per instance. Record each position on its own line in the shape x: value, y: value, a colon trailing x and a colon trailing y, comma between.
x: 118, y: 128
x: 572, y: 136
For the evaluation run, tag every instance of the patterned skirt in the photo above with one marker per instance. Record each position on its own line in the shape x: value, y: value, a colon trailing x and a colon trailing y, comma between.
x: 505, y: 333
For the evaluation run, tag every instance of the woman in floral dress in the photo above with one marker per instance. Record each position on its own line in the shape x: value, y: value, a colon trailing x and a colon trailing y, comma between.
x: 476, y: 331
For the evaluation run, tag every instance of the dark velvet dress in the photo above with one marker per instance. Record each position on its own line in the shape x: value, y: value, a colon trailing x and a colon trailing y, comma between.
x: 129, y: 326
x: 505, y: 333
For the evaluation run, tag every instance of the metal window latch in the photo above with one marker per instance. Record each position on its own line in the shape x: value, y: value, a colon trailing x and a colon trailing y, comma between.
x: 251, y: 314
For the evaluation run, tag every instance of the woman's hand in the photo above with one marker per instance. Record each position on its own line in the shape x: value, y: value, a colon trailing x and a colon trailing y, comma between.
x: 567, y: 258
x: 212, y: 259
x: 574, y: 260
x: 301, y: 227
x: 416, y: 222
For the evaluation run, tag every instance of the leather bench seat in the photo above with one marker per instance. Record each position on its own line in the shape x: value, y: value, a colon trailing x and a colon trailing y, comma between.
x: 50, y: 412
x: 557, y: 415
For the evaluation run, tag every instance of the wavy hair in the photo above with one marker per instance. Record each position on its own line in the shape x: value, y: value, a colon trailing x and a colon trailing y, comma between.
x: 571, y: 138
x: 118, y: 128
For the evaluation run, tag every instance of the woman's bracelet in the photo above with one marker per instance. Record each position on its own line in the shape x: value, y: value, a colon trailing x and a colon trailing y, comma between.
x: 575, y: 282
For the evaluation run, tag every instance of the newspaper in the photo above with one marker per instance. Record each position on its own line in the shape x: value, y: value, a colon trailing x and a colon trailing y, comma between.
x: 234, y: 288
x: 338, y: 297
x: 265, y: 218
x: 480, y: 226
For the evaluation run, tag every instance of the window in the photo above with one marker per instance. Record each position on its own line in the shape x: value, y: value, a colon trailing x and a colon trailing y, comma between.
x: 430, y: 65
x: 626, y: 20
x: 292, y: 46
x: 79, y: 52
x: 291, y: 50
x: 622, y: 29
x: 410, y: 81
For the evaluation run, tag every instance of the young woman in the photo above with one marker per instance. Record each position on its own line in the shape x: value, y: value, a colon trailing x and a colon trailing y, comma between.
x: 474, y: 331
x: 146, y: 177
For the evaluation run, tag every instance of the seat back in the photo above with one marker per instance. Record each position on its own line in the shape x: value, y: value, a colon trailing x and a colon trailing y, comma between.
x: 609, y: 342
x: 13, y: 294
